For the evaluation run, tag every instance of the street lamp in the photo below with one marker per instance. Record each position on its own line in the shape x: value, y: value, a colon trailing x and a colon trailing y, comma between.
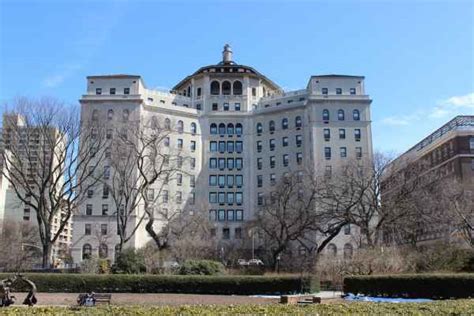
x: 278, y: 258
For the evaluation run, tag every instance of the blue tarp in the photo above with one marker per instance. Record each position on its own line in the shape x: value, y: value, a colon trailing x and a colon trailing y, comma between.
x: 361, y: 298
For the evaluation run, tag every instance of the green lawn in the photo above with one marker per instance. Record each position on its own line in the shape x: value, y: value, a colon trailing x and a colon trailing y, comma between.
x: 453, y: 307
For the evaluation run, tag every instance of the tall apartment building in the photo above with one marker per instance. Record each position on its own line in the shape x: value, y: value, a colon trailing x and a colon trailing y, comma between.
x: 242, y: 132
x: 448, y: 153
x: 27, y: 143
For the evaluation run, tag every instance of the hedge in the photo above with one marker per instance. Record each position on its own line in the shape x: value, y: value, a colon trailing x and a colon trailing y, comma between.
x: 458, y: 307
x: 143, y: 283
x: 413, y: 285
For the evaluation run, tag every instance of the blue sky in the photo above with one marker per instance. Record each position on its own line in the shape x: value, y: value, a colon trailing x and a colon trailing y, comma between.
x: 417, y: 56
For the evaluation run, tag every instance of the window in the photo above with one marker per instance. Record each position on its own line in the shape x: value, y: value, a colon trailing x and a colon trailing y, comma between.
x: 226, y: 106
x: 226, y: 88
x: 95, y: 115
x: 103, y: 229
x: 212, y: 197
x: 126, y: 90
x: 105, y: 209
x: 272, y: 162
x: 105, y: 191
x: 259, y: 128
x: 259, y: 146
x: 215, y: 88
x: 198, y: 92
x: 230, y: 201
x: 180, y: 143
x: 299, y: 140
x: 221, y: 181
x: 230, y: 163
x: 89, y: 209
x: 213, y: 129
x: 180, y: 126
x: 347, y: 229
x: 357, y: 135
x: 125, y: 115
x: 193, y: 163
x: 215, y: 106
x: 325, y: 115
x: 352, y: 91
x: 193, y: 145
x: 237, y: 106
x: 222, y: 147
x: 285, y: 160
x: 212, y: 215
x: 356, y: 115
x: 230, y: 181
x: 272, y: 179
x: 221, y: 198
x: 239, y: 198
x: 327, y: 153
x: 284, y: 123
x: 230, y: 147
x: 340, y: 115
x: 348, y: 250
x: 237, y: 88
x: 222, y: 129
x: 471, y: 143
x: 239, y: 146
x: 271, y: 126
x: 212, y: 163
x: 212, y: 180
x: 225, y: 233
x: 327, y: 134
x: 167, y: 141
x: 332, y: 250
x: 343, y: 152
x: 106, y: 172
x: 230, y: 129
x: 284, y: 141
x: 87, y: 229
x: 230, y: 215
x: 238, y: 233
x: 324, y: 90
x: 238, y: 163
x: 328, y: 171
x: 342, y: 133
x: 179, y: 197
x: 179, y: 179
x: 338, y: 91
x: 167, y: 124
x: 259, y: 163
x: 259, y: 181
x: 239, y: 215
x: 165, y: 196
x: 86, y: 250
x: 358, y: 152
x: 298, y: 122
x: 259, y: 198
x: 272, y: 144
x: 239, y: 181
x: 254, y: 92
x: 212, y: 146
x: 238, y: 129
x: 112, y: 90
x: 299, y: 158
x: 198, y: 106
x: 110, y: 115
x: 193, y: 128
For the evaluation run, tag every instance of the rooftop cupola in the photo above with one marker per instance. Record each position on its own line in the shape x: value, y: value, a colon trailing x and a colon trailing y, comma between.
x: 227, y: 55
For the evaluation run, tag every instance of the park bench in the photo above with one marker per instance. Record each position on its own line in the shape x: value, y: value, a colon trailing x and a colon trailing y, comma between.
x: 99, y: 298
x: 300, y: 299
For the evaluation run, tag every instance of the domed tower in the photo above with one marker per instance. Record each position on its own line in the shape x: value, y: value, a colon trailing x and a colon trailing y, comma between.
x: 227, y: 55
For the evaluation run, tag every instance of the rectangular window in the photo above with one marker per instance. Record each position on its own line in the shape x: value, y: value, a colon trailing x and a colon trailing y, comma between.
x: 179, y: 179
x: 105, y: 192
x: 327, y: 134
x: 221, y: 163
x: 357, y: 135
x: 239, y: 181
x: 230, y: 181
x: 103, y: 229
x: 238, y: 163
x: 112, y: 90
x: 347, y: 229
x: 221, y: 181
x: 272, y: 162
x: 259, y: 181
x: 180, y: 143
x: 212, y: 163
x: 192, y: 181
x: 126, y: 90
x: 193, y: 145
x: 239, y: 146
x: 358, y: 152
x: 165, y: 196
x: 259, y: 146
x: 284, y: 141
x: 239, y: 215
x: 98, y: 91
x: 285, y: 160
x: 89, y: 209
x: 342, y: 133
x: 338, y: 91
x: 90, y: 193
x: 299, y: 158
x: 272, y: 179
x: 327, y: 153
x: 179, y: 197
x: 272, y: 144
x: 324, y: 90
x: 193, y: 163
x: 212, y: 215
x: 237, y: 106
x: 109, y: 133
x: 259, y: 163
x: 343, y: 152
x: 226, y: 106
x: 230, y: 215
x: 105, y: 209
x: 230, y: 163
x: 222, y: 147
x: 215, y: 106
x: 238, y: 233
x: 150, y: 194
x: 299, y: 140
x: 225, y: 233
x: 87, y: 229
x: 221, y: 215
x: 230, y: 147
x: 353, y: 91
x: 213, y: 146
x: 230, y: 198
x: 212, y: 180
x: 221, y: 197
x: 212, y: 197
x: 328, y: 171
x: 239, y: 198
x: 260, y: 198
x: 198, y: 107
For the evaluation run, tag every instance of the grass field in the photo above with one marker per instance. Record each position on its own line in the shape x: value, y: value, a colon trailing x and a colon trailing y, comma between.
x: 450, y: 307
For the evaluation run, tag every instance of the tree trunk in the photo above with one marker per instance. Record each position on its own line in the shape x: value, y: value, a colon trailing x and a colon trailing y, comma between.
x: 47, y: 255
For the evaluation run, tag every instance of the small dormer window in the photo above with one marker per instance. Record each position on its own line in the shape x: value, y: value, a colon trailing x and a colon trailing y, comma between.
x: 98, y: 91
x: 338, y: 91
x: 112, y: 90
x: 126, y: 90
x: 352, y: 91
x: 325, y: 90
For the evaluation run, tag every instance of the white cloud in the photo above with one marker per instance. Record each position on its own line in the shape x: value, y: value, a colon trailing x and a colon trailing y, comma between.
x: 401, y: 120
x: 61, y: 74
x: 463, y: 101
x: 453, y: 105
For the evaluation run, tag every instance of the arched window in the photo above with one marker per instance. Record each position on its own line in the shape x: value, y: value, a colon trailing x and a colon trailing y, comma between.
x: 154, y: 123
x: 340, y: 115
x: 221, y: 128
x: 110, y: 115
x: 213, y: 129
x: 86, y: 251
x: 230, y: 129
x: 226, y: 88
x: 298, y: 122
x: 325, y: 115
x: 237, y: 87
x: 259, y: 128
x: 215, y: 88
x: 103, y: 251
x: 238, y: 129
x: 125, y: 115
x: 271, y: 126
x: 193, y: 128
x: 348, y: 250
x: 167, y: 124
x: 180, y: 126
x: 356, y: 115
x: 95, y: 115
x: 284, y: 123
x: 332, y: 250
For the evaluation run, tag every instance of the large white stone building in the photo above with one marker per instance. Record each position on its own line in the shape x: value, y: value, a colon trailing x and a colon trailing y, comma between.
x: 242, y: 132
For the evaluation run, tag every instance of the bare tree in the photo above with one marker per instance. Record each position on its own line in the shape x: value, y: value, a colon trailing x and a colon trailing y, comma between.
x: 49, y: 158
